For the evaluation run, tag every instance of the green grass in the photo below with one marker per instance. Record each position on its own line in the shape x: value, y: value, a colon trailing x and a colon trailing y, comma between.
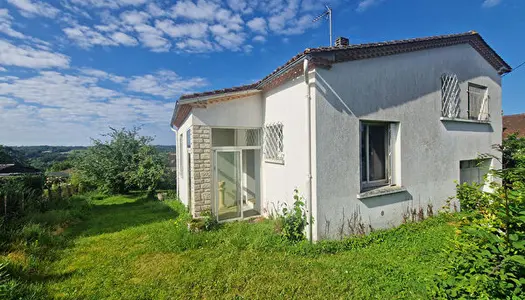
x: 128, y: 247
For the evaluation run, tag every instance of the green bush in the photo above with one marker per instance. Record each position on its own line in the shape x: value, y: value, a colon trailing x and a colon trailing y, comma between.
x: 126, y: 161
x: 470, y: 196
x: 292, y: 222
x: 22, y: 193
x: 206, y: 222
x: 487, y: 256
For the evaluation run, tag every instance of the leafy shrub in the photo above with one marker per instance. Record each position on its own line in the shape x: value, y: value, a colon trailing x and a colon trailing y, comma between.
x: 125, y: 162
x: 487, y: 257
x: 470, y: 196
x: 205, y: 222
x: 485, y: 262
x: 292, y: 222
x: 22, y: 193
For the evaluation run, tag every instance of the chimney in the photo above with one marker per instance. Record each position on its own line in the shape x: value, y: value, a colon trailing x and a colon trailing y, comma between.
x: 342, y: 41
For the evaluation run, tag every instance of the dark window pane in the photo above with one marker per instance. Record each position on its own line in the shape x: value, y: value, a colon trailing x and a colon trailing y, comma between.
x: 377, y: 152
x: 363, y: 153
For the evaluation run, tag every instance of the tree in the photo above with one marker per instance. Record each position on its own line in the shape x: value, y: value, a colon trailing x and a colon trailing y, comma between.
x: 124, y: 162
x: 10, y: 156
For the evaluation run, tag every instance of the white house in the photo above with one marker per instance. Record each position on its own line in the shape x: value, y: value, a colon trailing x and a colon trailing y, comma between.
x: 367, y: 133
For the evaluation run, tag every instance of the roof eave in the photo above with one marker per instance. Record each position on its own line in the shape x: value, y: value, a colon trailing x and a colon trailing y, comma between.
x: 211, y: 97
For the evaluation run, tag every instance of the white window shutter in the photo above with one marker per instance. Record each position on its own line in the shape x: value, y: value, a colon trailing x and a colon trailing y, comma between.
x: 484, y: 110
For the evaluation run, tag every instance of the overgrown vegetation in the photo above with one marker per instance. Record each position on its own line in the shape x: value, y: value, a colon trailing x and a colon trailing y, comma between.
x: 129, y: 247
x: 487, y: 257
x: 126, y: 161
x: 292, y: 222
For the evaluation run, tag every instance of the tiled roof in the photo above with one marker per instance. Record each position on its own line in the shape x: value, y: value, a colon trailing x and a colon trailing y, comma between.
x: 317, y: 56
x: 514, y: 123
x: 221, y: 91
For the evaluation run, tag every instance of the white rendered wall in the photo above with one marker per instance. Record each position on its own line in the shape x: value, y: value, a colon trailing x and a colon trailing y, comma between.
x: 287, y: 104
x: 401, y: 88
x: 243, y: 112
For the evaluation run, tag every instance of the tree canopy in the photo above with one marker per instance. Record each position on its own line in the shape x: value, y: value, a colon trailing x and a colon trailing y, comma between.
x: 124, y: 162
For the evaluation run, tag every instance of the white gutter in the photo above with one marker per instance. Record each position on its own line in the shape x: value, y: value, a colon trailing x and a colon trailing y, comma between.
x: 309, y: 175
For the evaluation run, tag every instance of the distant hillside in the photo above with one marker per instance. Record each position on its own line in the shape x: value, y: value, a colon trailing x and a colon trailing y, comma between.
x: 9, y: 156
x: 43, y: 157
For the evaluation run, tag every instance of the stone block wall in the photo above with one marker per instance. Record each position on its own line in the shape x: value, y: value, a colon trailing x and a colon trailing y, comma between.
x: 201, y: 183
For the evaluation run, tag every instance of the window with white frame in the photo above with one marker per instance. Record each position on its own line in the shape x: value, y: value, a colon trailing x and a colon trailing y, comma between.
x: 188, y: 138
x: 376, y: 154
x: 450, y: 91
x: 474, y: 170
x: 478, y: 102
x: 273, y: 143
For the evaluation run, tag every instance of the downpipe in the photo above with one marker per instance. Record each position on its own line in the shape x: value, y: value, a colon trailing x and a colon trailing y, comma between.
x: 309, y: 175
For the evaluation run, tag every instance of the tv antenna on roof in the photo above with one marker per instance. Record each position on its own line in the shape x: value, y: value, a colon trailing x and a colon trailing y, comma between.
x: 328, y: 15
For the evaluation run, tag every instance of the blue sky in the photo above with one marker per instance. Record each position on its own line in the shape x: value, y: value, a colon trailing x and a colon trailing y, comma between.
x: 71, y: 68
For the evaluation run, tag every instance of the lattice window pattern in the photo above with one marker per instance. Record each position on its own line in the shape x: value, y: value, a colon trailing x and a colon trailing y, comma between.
x: 273, y: 142
x: 253, y: 137
x: 450, y: 96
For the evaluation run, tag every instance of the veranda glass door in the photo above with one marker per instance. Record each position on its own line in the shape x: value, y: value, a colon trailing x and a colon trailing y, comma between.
x: 228, y: 189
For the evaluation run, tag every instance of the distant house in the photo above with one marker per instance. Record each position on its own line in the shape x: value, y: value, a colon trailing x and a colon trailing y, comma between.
x: 367, y: 133
x: 16, y: 169
x: 514, y: 124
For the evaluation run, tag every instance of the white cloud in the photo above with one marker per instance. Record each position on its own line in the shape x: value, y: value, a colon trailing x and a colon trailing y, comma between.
x: 86, y: 37
x: 2, y: 69
x: 152, y: 38
x: 366, y: 4
x: 113, y: 4
x: 60, y: 108
x: 102, y: 75
x: 201, y: 10
x: 28, y: 57
x: 35, y: 8
x: 196, y: 46
x: 490, y: 3
x: 259, y: 38
x: 244, y: 6
x: 194, y: 30
x: 5, y: 25
x: 124, y: 39
x: 154, y: 10
x: 164, y: 83
x: 258, y: 25
x: 134, y: 17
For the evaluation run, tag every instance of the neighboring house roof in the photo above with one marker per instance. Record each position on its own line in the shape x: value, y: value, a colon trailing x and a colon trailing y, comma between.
x: 15, y: 169
x: 513, y: 124
x: 319, y: 58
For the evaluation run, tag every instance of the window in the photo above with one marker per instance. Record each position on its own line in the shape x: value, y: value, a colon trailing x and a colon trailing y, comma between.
x: 181, y: 157
x: 450, y: 96
x: 473, y: 171
x: 188, y: 138
x: 376, y: 155
x: 273, y: 143
x: 478, y: 102
x: 227, y: 137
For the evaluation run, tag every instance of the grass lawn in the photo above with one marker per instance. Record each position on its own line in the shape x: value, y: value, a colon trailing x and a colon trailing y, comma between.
x: 129, y: 248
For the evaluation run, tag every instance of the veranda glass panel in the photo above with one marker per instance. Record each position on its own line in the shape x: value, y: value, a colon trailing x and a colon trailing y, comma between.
x: 228, y: 184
